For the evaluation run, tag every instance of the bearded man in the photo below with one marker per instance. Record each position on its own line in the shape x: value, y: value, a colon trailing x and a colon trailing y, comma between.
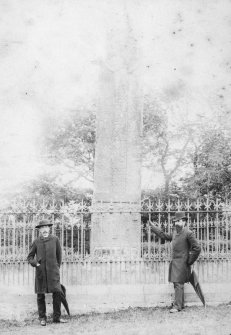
x: 185, y: 251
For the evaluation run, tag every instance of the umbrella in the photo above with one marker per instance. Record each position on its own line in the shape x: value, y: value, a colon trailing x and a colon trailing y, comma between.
x: 63, y: 298
x: 193, y: 279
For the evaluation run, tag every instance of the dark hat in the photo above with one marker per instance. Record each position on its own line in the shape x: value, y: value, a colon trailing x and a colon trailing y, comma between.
x: 43, y: 223
x: 179, y: 216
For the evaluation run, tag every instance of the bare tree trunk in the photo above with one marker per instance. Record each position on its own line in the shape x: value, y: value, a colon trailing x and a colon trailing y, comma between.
x: 166, y: 185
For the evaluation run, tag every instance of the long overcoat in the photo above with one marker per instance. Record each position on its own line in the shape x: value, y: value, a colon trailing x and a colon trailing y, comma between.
x: 46, y: 252
x: 185, y: 251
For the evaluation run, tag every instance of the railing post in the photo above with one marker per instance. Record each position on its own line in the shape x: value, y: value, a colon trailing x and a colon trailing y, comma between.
x: 227, y: 231
x: 24, y: 237
x: 72, y: 239
x: 188, y: 209
x: 199, y: 226
x: 217, y: 229
x: 159, y: 225
x: 0, y: 236
x: 142, y: 230
x: 207, y: 226
x: 4, y: 241
x: 62, y: 235
x: 81, y: 227
x: 149, y: 229
x: 13, y: 240
x: 53, y: 220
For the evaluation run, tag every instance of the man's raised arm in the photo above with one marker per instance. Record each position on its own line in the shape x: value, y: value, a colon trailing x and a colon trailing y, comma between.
x: 160, y: 233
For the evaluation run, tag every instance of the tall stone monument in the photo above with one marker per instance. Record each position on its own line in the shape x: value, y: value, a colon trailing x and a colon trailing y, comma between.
x: 116, y: 223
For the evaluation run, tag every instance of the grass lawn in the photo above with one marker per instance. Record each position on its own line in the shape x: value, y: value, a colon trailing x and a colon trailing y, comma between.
x: 213, y: 320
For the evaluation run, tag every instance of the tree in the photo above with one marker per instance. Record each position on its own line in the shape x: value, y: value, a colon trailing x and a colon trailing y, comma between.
x: 211, y: 165
x: 46, y: 186
x: 72, y: 144
x: 163, y: 145
x: 200, y: 151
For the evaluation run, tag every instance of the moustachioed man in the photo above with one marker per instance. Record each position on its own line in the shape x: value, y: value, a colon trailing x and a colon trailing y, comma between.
x: 46, y: 256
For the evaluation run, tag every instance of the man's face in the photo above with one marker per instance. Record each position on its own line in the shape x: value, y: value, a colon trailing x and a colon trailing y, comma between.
x: 179, y: 223
x: 44, y: 231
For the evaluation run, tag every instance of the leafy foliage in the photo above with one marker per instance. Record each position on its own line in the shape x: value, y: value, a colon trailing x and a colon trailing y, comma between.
x: 46, y: 187
x: 162, y: 146
x: 212, y: 165
x: 202, y: 152
x: 72, y: 143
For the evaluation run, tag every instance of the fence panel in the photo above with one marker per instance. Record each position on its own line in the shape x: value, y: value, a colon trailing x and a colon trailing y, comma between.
x: 210, y: 221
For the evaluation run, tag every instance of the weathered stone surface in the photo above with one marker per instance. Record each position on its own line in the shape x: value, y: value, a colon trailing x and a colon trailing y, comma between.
x: 117, y: 176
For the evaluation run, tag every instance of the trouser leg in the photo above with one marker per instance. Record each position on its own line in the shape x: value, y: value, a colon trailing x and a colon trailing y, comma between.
x: 41, y: 305
x: 56, y: 306
x: 179, y: 296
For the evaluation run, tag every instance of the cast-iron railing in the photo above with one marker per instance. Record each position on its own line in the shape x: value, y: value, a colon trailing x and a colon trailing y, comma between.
x: 210, y: 221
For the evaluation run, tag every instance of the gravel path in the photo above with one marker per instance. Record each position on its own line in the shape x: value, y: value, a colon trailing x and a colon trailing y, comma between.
x: 138, y: 321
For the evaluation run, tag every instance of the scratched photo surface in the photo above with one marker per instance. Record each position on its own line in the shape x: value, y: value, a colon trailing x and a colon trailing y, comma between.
x: 115, y: 114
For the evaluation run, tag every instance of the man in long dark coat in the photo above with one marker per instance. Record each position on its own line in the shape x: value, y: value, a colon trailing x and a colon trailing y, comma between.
x: 46, y: 256
x: 185, y: 251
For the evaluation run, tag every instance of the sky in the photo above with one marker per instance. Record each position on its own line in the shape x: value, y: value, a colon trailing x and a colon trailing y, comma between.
x: 50, y: 51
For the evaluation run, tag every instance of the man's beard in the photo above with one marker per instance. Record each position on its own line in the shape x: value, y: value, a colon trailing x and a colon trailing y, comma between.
x: 179, y: 225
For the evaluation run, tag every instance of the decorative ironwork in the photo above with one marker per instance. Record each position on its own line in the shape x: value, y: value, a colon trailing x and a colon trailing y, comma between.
x: 210, y: 221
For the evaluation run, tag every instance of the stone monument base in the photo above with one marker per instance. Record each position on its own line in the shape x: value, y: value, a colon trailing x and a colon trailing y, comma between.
x: 116, y: 230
